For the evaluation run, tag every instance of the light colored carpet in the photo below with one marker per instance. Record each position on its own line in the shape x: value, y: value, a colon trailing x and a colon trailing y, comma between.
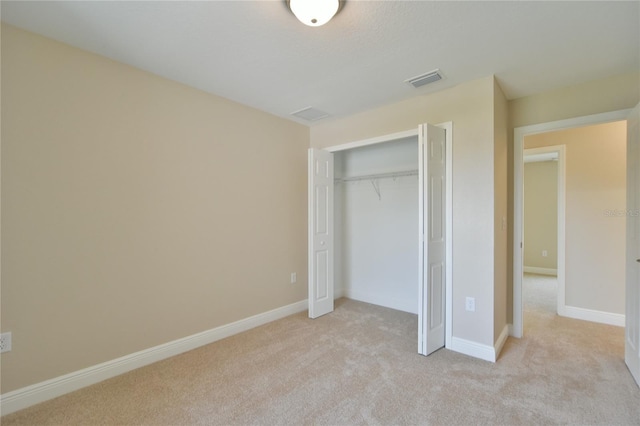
x: 539, y: 294
x: 359, y: 365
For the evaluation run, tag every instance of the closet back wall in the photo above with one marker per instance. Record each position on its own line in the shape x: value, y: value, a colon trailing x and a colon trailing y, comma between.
x: 377, y: 234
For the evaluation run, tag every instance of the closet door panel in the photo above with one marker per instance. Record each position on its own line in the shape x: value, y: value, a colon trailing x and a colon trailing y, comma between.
x: 320, y: 232
x: 431, y: 318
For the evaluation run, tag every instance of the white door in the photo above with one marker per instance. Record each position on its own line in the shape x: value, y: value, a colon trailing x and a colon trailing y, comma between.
x: 431, y: 301
x: 320, y: 232
x: 632, y: 313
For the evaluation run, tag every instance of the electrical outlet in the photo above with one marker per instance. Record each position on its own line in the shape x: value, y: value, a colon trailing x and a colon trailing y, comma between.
x: 294, y: 278
x: 470, y: 304
x: 544, y: 253
x: 5, y: 342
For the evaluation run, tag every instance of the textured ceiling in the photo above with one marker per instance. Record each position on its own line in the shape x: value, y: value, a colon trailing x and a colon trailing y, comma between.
x: 257, y: 53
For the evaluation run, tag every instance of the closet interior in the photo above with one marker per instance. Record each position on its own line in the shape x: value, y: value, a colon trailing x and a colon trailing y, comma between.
x: 376, y: 224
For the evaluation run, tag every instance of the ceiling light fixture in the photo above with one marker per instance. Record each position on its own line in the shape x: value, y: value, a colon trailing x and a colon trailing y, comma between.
x: 314, y: 12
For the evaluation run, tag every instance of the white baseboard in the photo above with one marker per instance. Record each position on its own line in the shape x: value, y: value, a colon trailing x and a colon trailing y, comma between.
x: 474, y: 349
x: 478, y: 350
x: 586, y: 315
x: 39, y: 392
x: 540, y: 271
x: 410, y: 306
x: 593, y: 316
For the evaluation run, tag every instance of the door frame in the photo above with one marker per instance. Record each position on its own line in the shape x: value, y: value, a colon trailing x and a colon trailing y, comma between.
x: 519, y: 133
x: 448, y: 126
x: 632, y: 286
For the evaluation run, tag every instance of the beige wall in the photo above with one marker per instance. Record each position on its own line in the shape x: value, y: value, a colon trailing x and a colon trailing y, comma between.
x: 595, y: 234
x: 541, y: 214
x: 133, y: 207
x: 500, y: 210
x: 135, y: 210
x: 593, y: 97
x: 470, y: 107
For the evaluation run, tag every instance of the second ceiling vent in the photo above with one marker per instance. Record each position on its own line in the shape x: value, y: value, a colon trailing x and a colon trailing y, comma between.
x: 424, y: 79
x: 310, y: 114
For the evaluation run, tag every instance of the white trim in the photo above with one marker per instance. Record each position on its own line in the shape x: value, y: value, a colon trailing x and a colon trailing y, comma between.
x: 537, y: 158
x: 373, y: 141
x: 540, y: 271
x: 594, y: 316
x: 561, y: 248
x: 39, y: 392
x: 570, y: 123
x: 502, y: 339
x: 518, y: 166
x: 476, y: 350
x: 448, y: 324
x: 422, y: 247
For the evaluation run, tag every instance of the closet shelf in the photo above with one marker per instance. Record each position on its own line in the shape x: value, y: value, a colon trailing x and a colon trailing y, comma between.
x: 378, y: 176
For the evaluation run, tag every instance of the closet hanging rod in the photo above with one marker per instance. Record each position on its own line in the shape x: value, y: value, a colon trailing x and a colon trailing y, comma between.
x: 379, y: 176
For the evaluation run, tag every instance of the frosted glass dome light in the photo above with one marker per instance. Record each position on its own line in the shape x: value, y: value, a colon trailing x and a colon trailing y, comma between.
x: 314, y: 12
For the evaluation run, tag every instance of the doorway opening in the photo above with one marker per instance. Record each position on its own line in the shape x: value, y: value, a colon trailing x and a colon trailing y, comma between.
x: 375, y: 224
x: 608, y: 314
x: 543, y: 193
x: 378, y: 235
x: 543, y: 228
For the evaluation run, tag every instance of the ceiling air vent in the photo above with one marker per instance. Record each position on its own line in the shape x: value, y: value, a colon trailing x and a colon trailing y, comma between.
x: 310, y: 114
x: 421, y: 80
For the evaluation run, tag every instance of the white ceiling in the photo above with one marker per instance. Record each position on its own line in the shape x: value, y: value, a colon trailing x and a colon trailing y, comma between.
x: 257, y: 53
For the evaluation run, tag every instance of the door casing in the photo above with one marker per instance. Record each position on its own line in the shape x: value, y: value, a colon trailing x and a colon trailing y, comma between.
x: 632, y: 309
x: 516, y: 328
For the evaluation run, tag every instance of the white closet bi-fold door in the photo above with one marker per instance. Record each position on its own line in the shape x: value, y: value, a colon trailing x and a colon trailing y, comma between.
x: 321, y: 235
x: 432, y: 280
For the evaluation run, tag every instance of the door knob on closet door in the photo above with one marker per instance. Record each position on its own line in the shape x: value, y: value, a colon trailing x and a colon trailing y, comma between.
x: 322, y: 243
